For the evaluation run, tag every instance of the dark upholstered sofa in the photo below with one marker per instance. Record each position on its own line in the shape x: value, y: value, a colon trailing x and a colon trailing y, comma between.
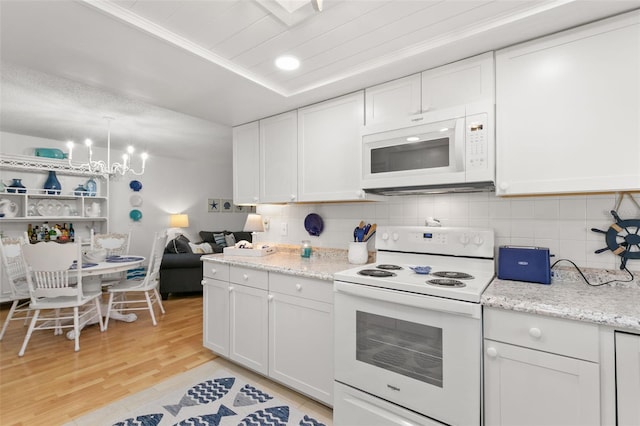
x: 181, y: 269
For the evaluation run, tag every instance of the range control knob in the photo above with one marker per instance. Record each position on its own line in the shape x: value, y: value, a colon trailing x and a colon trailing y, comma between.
x: 478, y: 240
x: 395, y: 236
x: 464, y: 239
x: 385, y: 236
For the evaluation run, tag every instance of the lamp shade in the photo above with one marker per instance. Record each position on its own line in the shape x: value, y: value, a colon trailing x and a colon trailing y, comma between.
x: 179, y: 221
x: 253, y: 223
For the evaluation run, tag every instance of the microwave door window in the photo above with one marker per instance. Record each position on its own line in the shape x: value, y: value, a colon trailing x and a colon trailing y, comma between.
x: 402, y: 347
x: 421, y: 155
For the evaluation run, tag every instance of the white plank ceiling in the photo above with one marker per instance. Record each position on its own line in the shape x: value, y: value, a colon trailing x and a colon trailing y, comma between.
x: 211, y: 62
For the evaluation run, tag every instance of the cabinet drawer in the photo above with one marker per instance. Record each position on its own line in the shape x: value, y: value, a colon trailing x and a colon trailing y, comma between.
x: 217, y: 271
x: 249, y: 277
x: 319, y: 290
x: 555, y: 335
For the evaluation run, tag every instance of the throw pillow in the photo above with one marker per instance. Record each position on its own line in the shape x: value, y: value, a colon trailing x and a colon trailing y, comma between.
x: 202, y: 248
x: 179, y: 244
x: 219, y: 240
x: 230, y: 240
x: 207, y: 236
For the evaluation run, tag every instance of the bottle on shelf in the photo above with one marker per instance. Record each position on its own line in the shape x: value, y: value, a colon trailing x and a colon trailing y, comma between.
x: 29, y: 230
x: 72, y: 233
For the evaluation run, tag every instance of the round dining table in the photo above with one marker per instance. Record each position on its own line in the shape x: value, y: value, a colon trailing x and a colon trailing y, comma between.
x: 91, y: 281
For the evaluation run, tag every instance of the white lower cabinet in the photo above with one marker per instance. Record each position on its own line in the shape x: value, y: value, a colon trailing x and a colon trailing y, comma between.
x: 533, y: 374
x: 215, y: 330
x: 248, y: 315
x: 301, y: 339
x: 628, y: 379
x: 275, y: 324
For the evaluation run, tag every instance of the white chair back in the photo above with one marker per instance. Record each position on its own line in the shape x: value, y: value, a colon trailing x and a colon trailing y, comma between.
x: 12, y: 263
x: 114, y: 243
x: 49, y: 270
x: 155, y: 259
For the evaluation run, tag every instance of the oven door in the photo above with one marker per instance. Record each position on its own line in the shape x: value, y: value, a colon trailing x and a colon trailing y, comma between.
x: 430, y: 151
x: 420, y: 352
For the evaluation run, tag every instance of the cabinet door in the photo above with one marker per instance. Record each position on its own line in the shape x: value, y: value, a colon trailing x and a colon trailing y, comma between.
x: 393, y: 100
x: 248, y: 313
x: 628, y: 379
x: 459, y: 83
x: 278, y: 158
x: 246, y: 164
x: 329, y: 164
x: 215, y: 327
x: 527, y: 387
x: 569, y: 104
x: 301, y: 345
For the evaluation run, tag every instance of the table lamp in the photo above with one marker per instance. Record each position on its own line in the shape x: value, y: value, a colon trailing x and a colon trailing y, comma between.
x: 178, y: 221
x: 253, y: 224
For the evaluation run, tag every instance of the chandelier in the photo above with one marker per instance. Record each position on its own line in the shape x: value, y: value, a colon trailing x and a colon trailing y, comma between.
x: 108, y: 168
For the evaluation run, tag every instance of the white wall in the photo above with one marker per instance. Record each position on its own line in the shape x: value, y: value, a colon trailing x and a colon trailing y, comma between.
x: 169, y: 186
x: 561, y: 223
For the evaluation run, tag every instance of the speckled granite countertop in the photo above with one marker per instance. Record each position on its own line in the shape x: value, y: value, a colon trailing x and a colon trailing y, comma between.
x: 321, y: 265
x: 614, y: 305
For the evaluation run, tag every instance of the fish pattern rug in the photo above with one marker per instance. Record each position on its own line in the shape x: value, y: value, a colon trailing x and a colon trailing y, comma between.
x: 225, y: 398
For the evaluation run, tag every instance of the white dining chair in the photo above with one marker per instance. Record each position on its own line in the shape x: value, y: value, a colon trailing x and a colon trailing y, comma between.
x: 50, y: 270
x: 115, y: 244
x: 13, y: 266
x: 129, y: 295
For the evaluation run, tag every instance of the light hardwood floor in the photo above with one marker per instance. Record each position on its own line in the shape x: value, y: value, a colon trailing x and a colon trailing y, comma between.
x: 52, y: 384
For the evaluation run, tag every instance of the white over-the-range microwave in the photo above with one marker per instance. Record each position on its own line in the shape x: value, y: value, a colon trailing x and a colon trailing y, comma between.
x: 448, y: 150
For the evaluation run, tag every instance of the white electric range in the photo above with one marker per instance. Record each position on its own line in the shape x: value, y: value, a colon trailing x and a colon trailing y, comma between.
x: 408, y: 346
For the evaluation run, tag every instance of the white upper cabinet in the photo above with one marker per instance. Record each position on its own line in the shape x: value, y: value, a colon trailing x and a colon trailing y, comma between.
x: 455, y: 84
x: 393, y: 100
x: 246, y: 175
x: 329, y: 149
x: 278, y: 158
x: 459, y: 83
x: 568, y: 111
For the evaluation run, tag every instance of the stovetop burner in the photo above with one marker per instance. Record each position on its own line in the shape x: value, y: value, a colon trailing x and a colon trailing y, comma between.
x: 453, y: 275
x: 389, y: 267
x: 446, y: 282
x: 376, y: 273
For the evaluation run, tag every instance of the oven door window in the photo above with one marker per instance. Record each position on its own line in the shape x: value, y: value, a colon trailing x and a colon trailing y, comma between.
x: 420, y: 155
x: 410, y: 349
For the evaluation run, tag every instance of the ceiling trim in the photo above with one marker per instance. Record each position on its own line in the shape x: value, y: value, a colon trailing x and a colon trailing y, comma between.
x: 432, y: 44
x: 159, y: 31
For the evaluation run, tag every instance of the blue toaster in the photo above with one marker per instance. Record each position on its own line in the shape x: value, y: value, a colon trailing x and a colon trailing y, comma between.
x: 520, y: 263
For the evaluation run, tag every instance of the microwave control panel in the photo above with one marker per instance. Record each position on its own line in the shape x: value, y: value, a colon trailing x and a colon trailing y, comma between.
x: 476, y: 142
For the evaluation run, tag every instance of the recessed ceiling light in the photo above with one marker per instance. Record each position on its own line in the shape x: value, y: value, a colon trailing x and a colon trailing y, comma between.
x: 413, y: 139
x: 287, y: 63
x: 444, y: 129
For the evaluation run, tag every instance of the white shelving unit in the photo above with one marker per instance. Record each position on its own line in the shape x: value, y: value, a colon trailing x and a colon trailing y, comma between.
x: 36, y: 206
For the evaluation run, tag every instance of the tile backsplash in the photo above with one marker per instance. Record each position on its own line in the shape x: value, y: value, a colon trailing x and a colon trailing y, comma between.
x: 561, y: 223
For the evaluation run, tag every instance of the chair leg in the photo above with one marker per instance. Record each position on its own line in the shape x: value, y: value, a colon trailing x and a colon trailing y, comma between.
x: 29, y: 331
x: 99, y: 309
x: 9, y: 316
x: 150, y: 305
x: 109, y: 307
x: 76, y: 328
x: 159, y: 299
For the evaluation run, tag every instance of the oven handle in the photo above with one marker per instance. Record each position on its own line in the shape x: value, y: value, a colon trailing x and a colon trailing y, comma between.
x: 455, y: 307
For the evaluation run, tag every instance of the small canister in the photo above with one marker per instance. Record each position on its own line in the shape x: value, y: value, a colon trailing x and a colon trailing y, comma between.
x: 305, y: 249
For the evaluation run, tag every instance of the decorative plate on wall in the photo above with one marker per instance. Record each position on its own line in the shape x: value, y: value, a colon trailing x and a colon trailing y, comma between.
x: 313, y: 224
x: 135, y: 200
x: 135, y: 215
x: 135, y: 185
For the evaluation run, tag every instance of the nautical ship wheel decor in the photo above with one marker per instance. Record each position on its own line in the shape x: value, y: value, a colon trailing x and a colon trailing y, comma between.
x: 622, y: 238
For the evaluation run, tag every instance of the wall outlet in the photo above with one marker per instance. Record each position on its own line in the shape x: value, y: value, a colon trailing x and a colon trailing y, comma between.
x: 284, y: 229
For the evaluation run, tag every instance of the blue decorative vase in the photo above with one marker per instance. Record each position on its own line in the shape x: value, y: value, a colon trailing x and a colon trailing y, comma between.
x: 52, y: 185
x: 16, y: 186
x: 92, y: 187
